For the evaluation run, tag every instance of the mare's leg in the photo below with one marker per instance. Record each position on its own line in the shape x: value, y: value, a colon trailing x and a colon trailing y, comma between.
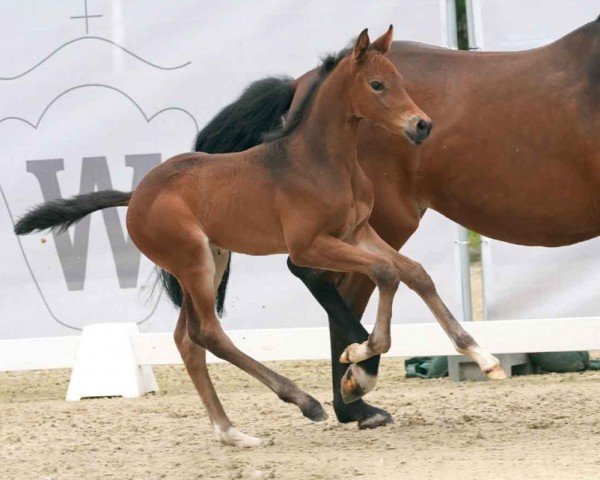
x: 196, y: 274
x: 345, y: 328
x: 417, y: 279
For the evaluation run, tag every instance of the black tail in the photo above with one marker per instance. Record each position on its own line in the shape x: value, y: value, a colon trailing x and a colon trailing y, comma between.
x: 62, y: 213
x: 238, y: 127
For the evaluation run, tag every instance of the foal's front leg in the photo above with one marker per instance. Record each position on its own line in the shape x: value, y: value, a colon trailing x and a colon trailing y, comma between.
x: 417, y: 279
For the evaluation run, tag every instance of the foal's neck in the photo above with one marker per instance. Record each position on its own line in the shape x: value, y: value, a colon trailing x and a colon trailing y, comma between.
x: 330, y: 132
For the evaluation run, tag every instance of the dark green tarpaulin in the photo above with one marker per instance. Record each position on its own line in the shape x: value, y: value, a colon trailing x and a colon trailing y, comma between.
x: 558, y: 362
x: 426, y: 367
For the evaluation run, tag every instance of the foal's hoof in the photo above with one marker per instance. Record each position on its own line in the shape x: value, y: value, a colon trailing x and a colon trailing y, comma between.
x: 496, y: 373
x: 356, y: 383
x: 355, y: 353
x: 314, y: 411
x: 235, y: 438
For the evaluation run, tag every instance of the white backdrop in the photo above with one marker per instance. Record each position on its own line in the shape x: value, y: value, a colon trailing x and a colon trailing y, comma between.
x: 535, y: 282
x: 92, y: 103
x: 523, y: 24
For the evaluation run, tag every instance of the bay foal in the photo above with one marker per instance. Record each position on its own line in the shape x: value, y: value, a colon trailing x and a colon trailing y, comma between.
x: 303, y: 193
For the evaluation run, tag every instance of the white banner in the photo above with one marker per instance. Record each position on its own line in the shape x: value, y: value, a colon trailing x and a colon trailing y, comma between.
x: 535, y: 282
x: 94, y: 94
x: 522, y: 24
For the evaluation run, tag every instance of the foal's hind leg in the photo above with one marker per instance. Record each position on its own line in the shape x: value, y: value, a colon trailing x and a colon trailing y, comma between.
x: 194, y: 358
x: 205, y: 330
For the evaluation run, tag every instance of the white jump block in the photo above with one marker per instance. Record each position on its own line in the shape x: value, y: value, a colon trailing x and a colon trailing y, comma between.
x: 106, y: 365
x: 463, y: 368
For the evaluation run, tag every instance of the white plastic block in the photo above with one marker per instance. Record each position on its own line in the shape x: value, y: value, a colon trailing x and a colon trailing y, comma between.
x: 106, y: 365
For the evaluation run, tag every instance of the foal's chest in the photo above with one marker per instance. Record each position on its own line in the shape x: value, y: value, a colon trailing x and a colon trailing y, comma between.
x: 359, y: 201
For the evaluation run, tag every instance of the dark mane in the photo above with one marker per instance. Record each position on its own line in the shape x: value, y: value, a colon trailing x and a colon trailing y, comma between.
x: 327, y: 65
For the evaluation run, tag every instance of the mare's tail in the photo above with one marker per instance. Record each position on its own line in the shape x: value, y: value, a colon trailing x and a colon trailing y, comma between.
x: 60, y: 214
x: 239, y: 126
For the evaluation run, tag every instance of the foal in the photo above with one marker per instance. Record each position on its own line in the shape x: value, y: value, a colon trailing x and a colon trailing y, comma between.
x: 303, y: 193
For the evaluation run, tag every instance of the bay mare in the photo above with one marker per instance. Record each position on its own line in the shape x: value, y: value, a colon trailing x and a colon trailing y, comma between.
x: 303, y: 193
x: 514, y: 155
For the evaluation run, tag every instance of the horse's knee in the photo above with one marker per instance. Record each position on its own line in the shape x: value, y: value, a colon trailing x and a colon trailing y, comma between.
x: 416, y: 278
x: 386, y: 275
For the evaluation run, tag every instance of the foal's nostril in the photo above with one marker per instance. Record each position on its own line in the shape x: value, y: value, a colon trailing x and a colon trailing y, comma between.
x: 423, y: 129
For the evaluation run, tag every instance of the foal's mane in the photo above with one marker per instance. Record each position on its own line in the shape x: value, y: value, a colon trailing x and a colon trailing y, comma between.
x: 327, y: 65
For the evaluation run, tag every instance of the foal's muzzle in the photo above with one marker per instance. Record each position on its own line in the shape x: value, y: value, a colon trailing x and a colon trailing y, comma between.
x: 420, y: 130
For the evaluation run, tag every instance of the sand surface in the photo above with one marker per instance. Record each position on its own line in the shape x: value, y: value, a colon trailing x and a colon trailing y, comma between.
x: 539, y: 427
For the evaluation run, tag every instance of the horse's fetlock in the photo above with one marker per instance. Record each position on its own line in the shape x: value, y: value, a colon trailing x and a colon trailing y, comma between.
x: 380, y: 344
x: 287, y: 391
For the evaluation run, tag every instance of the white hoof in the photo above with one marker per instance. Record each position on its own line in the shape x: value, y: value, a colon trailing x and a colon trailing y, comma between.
x: 355, y: 353
x: 496, y: 373
x: 235, y: 438
x: 356, y: 383
x: 488, y: 363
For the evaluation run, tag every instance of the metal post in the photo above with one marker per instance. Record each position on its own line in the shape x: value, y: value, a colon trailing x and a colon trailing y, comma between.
x: 451, y: 37
x: 462, y: 244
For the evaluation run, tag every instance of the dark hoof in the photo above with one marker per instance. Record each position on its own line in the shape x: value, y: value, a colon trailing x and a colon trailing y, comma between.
x: 377, y: 418
x: 356, y: 383
x: 366, y: 415
x: 314, y: 411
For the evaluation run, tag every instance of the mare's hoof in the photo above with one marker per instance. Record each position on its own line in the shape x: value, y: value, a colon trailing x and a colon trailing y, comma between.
x: 367, y: 416
x: 376, y: 418
x: 356, y: 383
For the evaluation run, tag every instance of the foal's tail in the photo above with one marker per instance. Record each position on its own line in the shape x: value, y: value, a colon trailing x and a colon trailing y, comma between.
x: 239, y: 126
x: 62, y: 213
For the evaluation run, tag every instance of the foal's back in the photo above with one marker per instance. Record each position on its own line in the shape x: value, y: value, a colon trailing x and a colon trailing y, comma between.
x: 231, y: 196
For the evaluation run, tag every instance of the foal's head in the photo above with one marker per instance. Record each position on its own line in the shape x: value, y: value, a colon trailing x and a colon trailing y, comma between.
x: 377, y: 92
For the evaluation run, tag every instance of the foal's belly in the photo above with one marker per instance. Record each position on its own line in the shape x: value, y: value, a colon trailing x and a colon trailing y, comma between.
x: 246, y: 225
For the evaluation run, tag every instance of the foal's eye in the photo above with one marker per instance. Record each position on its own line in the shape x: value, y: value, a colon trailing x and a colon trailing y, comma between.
x: 377, y: 86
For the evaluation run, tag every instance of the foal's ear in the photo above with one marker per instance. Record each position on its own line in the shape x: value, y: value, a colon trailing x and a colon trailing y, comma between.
x: 383, y: 43
x: 361, y: 46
